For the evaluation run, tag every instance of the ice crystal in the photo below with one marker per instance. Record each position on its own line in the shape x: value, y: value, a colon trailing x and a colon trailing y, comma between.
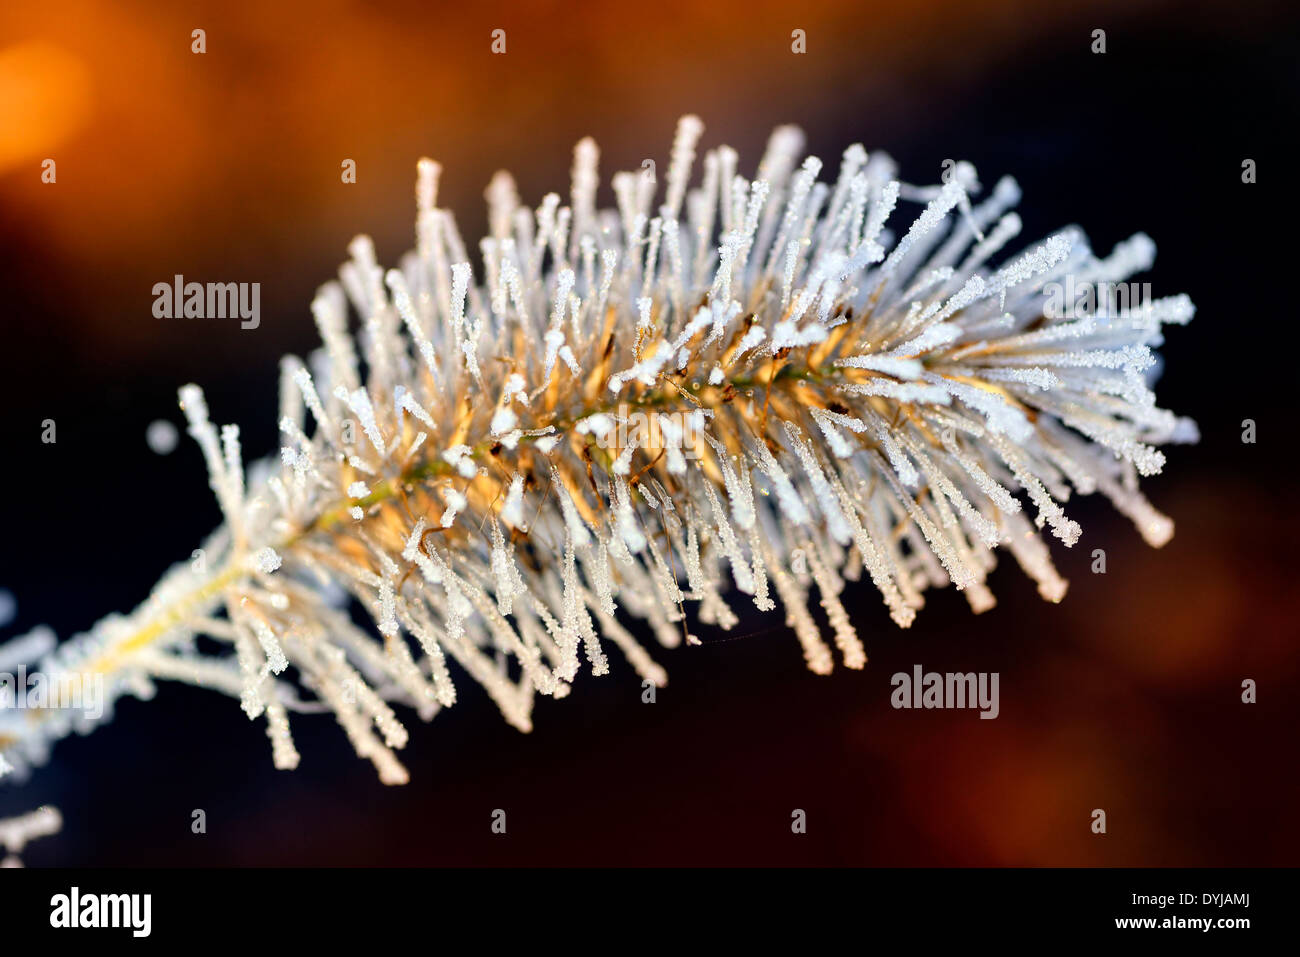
x: 748, y: 390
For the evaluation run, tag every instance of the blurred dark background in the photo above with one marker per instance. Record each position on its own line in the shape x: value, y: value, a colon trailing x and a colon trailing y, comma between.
x: 225, y: 166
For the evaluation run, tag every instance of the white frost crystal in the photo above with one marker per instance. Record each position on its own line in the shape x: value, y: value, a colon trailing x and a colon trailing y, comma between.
x: 746, y: 390
x: 266, y: 561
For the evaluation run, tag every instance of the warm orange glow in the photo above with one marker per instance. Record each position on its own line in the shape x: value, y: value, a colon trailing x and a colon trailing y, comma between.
x: 44, y: 98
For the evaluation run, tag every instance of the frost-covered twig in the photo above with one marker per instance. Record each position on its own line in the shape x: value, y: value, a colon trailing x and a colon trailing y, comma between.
x: 17, y: 832
x: 751, y: 391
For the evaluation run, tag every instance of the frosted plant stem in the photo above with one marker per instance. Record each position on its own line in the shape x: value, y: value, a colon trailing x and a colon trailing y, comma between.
x: 753, y: 390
